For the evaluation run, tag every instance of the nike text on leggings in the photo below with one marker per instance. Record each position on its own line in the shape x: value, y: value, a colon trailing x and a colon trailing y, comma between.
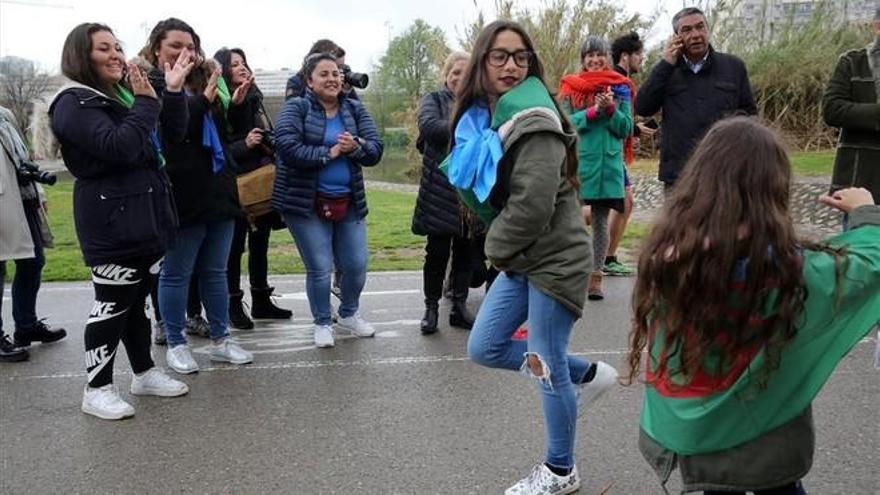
x: 118, y: 313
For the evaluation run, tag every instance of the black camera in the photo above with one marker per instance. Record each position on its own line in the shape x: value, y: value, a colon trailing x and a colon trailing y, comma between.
x: 268, y: 138
x: 354, y: 79
x: 29, y: 172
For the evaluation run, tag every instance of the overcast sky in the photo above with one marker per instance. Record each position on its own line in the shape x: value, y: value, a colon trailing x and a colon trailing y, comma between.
x: 273, y: 33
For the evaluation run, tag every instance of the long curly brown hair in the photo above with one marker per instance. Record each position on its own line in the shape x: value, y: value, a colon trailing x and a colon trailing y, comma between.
x: 730, y: 203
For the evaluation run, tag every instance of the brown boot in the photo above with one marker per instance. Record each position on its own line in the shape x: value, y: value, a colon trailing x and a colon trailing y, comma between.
x: 594, y: 289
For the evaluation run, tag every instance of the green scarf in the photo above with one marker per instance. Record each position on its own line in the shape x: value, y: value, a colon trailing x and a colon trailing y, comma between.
x: 126, y: 97
x: 225, y: 97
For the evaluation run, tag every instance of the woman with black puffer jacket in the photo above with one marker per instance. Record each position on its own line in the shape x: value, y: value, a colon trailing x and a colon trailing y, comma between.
x: 203, y: 175
x: 438, y: 214
x: 250, y: 145
x: 123, y: 208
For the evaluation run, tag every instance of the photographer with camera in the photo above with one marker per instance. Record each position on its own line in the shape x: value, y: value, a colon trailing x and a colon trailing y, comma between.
x: 296, y: 85
x: 252, y: 146
x: 23, y: 235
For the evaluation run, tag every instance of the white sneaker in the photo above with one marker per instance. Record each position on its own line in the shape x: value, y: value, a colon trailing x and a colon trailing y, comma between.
x: 590, y: 392
x: 156, y: 382
x: 356, y: 325
x: 228, y: 351
x: 542, y: 481
x: 324, y: 336
x: 180, y: 359
x: 105, y: 403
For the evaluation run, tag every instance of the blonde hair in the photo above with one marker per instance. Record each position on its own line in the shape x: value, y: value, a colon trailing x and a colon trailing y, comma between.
x: 452, y: 59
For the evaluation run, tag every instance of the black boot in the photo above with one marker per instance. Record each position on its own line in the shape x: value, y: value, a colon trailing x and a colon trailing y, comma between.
x: 262, y: 306
x: 458, y: 315
x: 429, y: 321
x: 40, y: 332
x: 237, y: 316
x: 9, y: 353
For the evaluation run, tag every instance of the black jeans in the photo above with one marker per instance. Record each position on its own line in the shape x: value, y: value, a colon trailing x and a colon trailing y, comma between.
x: 28, y: 276
x: 437, y: 253
x: 258, y: 248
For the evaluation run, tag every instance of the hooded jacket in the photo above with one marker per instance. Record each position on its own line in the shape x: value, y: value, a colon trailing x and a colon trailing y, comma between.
x: 122, y: 201
x: 538, y: 230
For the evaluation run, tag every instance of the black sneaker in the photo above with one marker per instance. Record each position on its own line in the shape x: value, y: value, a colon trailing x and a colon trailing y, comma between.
x: 9, y: 353
x: 40, y: 332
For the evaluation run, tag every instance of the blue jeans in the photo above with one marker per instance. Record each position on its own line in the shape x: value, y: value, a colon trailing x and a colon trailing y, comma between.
x: 510, y: 302
x: 205, y: 249
x: 323, y: 245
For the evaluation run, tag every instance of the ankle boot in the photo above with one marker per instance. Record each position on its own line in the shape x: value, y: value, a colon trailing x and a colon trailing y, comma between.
x: 459, y: 315
x: 9, y: 353
x: 429, y: 321
x: 40, y: 332
x: 263, y: 307
x: 594, y: 289
x: 237, y: 316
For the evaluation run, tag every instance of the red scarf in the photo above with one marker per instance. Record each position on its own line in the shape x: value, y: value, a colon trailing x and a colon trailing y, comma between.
x: 581, y: 88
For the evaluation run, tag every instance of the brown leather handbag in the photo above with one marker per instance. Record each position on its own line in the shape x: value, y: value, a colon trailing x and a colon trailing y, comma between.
x: 255, y: 191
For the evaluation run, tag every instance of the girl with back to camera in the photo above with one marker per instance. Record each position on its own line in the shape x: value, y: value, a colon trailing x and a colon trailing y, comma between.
x: 123, y: 207
x: 744, y: 322
x: 514, y: 161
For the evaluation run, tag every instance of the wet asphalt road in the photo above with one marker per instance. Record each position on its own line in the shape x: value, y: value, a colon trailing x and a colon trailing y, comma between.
x: 400, y: 413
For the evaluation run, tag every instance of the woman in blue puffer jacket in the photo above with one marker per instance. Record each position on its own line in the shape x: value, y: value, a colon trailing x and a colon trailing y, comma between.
x: 322, y: 141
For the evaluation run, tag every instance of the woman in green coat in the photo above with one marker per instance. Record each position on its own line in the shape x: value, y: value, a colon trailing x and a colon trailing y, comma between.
x: 599, y: 100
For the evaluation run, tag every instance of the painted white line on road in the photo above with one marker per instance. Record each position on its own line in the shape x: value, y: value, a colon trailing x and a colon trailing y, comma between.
x: 310, y: 364
x: 301, y: 296
x: 399, y: 360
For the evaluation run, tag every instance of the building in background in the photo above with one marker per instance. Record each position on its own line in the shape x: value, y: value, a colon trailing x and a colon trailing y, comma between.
x: 764, y: 20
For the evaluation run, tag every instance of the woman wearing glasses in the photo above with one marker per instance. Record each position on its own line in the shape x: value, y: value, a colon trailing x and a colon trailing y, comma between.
x: 514, y: 161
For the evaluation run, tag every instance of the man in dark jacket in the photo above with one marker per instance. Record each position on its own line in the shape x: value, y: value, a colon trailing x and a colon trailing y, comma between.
x: 296, y: 85
x: 851, y: 103
x: 694, y: 86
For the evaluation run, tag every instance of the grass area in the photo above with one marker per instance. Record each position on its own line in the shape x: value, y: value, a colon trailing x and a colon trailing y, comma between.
x: 803, y: 163
x: 397, y: 167
x: 392, y: 245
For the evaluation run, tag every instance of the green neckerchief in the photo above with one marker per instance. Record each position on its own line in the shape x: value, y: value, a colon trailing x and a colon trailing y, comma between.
x: 225, y: 98
x: 126, y: 97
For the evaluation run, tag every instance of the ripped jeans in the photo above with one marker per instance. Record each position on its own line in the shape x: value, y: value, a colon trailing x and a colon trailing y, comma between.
x: 510, y: 302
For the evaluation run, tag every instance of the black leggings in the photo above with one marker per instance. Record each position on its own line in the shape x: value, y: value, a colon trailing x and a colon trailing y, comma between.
x: 258, y: 248
x: 118, y: 313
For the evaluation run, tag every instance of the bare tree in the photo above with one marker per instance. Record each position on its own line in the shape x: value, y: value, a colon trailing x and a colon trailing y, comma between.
x: 21, y: 83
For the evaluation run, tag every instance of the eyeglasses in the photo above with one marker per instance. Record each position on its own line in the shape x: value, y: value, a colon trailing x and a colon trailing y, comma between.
x: 499, y: 58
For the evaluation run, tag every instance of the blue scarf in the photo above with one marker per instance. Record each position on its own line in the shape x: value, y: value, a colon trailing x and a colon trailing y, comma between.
x: 211, y: 140
x: 473, y: 163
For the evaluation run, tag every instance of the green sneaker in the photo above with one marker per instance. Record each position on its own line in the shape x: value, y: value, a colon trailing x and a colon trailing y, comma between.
x: 618, y: 269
